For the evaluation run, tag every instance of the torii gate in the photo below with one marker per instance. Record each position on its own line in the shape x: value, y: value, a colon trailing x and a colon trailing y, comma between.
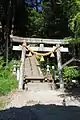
x: 41, y: 48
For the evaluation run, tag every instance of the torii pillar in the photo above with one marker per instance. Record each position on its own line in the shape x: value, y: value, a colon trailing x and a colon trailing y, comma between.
x: 21, y: 81
x: 59, y: 66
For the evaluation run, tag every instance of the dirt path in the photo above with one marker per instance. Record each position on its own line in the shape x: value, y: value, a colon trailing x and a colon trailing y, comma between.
x: 40, y: 103
x: 38, y: 93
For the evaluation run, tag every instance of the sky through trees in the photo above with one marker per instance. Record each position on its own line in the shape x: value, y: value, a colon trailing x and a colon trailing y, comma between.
x: 35, y: 4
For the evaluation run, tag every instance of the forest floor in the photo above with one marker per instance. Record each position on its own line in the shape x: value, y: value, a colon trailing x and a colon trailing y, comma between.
x: 39, y: 102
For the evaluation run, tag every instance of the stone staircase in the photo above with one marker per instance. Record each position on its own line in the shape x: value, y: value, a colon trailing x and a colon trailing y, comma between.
x: 32, y: 69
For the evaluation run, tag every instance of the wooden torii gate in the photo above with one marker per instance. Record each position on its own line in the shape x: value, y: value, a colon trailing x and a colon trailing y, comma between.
x: 25, y: 41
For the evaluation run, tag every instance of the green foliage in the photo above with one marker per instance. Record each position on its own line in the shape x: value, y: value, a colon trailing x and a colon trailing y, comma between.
x: 70, y: 73
x: 76, y: 18
x: 36, y: 23
x: 72, y: 40
x: 3, y: 102
x: 74, y: 21
x: 8, y: 81
x: 55, y: 20
x: 71, y: 9
x: 49, y: 23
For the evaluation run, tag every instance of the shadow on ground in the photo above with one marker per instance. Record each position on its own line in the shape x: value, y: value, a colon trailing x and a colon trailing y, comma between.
x: 41, y: 112
x: 74, y: 94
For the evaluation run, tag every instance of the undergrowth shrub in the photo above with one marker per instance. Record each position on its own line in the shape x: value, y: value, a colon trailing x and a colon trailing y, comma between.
x: 8, y: 81
x: 70, y: 73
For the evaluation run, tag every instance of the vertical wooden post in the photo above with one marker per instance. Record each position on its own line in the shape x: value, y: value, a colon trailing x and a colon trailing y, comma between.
x: 18, y: 72
x: 59, y: 66
x: 53, y: 77
x: 22, y: 66
x: 14, y: 69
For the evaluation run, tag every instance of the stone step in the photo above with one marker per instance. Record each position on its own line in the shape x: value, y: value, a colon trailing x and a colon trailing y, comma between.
x: 34, y: 78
